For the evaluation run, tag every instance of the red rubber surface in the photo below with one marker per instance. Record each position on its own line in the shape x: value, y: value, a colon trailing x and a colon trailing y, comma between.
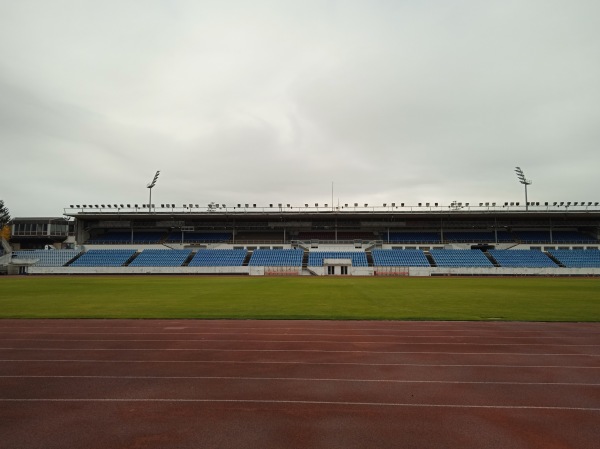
x: 298, y: 384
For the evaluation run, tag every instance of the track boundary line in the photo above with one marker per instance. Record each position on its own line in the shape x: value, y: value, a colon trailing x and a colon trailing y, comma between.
x: 298, y: 341
x: 241, y: 362
x: 316, y: 351
x: 292, y: 402
x: 304, y: 379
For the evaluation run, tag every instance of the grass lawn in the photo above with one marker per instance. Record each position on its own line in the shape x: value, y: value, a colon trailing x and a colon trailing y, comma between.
x: 519, y: 299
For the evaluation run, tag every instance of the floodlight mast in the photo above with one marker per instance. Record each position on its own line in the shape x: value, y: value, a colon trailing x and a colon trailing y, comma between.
x: 525, y: 182
x: 149, y: 186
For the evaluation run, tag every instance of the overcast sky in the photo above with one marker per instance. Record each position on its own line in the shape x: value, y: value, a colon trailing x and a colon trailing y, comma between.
x: 272, y: 101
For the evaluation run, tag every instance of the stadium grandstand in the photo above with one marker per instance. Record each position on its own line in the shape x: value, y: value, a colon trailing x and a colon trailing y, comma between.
x: 392, y: 239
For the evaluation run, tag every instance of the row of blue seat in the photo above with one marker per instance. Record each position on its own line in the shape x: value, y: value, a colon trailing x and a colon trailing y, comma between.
x: 276, y: 258
x: 358, y: 258
x: 489, y: 236
x: 293, y: 257
x: 47, y: 258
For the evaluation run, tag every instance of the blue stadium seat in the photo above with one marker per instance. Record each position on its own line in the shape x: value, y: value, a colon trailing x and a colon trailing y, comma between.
x: 47, y: 258
x: 577, y: 258
x: 218, y: 258
x: 415, y: 237
x: 460, y: 258
x: 521, y: 258
x: 276, y: 258
x: 359, y: 258
x: 399, y: 258
x: 199, y: 237
x: 161, y: 258
x: 124, y: 237
x: 104, y: 258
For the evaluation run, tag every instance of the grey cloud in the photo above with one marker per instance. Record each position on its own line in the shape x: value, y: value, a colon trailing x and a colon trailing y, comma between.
x: 271, y: 101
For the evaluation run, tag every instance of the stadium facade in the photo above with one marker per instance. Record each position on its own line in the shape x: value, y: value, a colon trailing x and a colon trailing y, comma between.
x: 279, y: 239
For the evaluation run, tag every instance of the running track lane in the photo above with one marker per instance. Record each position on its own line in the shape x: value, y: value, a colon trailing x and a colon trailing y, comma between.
x: 298, y: 384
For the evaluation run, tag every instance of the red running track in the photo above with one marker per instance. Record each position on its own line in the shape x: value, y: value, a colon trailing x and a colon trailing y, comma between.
x: 298, y: 384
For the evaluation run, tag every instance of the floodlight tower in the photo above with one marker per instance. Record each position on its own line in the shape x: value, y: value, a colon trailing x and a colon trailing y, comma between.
x: 149, y: 186
x: 525, y: 182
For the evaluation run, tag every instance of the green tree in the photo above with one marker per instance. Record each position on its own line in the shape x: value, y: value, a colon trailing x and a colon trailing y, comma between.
x: 4, y: 215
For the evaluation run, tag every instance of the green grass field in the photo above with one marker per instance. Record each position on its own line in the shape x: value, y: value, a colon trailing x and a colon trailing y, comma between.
x: 518, y: 299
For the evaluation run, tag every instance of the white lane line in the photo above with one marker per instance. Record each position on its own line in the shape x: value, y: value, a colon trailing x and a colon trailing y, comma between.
x: 294, y: 341
x: 267, y: 362
x: 308, y: 379
x: 315, y: 351
x: 292, y: 402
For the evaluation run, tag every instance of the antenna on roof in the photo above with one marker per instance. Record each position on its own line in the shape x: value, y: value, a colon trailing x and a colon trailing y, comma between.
x: 332, y: 206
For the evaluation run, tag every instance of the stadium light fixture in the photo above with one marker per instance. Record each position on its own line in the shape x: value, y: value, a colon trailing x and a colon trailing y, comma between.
x: 524, y: 181
x: 150, y: 186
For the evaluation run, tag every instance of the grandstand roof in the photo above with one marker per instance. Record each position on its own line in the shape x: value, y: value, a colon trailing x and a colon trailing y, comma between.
x: 592, y: 214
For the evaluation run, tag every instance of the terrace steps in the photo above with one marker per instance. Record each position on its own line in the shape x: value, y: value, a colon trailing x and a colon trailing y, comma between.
x: 430, y: 259
x: 491, y: 259
x: 554, y: 259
